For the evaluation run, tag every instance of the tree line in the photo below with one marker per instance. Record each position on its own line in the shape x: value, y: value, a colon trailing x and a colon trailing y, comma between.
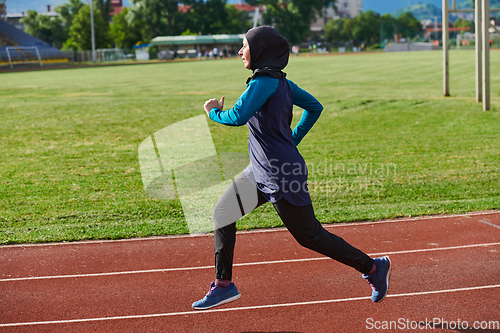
x: 370, y: 28
x: 139, y: 23
x: 146, y: 19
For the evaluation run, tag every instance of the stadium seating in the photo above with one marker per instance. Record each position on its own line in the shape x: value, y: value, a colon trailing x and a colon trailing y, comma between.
x: 12, y: 37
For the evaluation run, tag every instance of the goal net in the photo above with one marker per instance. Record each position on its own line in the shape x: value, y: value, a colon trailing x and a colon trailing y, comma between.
x: 23, y: 55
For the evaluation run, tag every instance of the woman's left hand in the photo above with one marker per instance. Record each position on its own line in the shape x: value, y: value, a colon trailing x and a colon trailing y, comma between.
x: 213, y: 103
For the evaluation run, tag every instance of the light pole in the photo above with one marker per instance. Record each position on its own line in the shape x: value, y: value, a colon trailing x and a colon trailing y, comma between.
x: 435, y: 27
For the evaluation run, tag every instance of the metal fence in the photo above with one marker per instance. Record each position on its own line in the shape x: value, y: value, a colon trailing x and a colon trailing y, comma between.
x: 102, y: 55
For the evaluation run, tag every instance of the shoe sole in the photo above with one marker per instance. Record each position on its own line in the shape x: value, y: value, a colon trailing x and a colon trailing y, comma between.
x: 227, y: 300
x: 389, y: 266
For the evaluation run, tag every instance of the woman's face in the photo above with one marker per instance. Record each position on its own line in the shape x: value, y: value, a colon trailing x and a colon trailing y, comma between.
x: 244, y: 52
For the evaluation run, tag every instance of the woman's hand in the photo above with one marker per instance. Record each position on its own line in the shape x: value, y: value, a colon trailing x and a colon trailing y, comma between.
x: 213, y: 103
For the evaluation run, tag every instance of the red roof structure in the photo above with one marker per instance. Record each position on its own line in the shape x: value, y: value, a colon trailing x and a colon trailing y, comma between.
x: 246, y: 7
x: 184, y: 8
x: 116, y: 7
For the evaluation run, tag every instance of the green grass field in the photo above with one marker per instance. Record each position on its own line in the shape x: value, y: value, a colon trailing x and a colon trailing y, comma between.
x: 388, y: 144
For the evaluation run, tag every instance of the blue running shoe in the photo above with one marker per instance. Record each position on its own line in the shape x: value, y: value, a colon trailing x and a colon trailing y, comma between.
x: 380, y: 280
x: 217, y: 296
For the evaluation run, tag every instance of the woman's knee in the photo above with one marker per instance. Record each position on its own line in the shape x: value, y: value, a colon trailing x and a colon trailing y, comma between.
x: 307, y: 237
x: 224, y: 214
x: 225, y: 237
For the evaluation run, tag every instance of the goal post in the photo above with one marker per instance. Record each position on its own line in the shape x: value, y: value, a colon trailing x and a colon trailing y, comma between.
x: 485, y: 11
x: 26, y: 56
x: 478, y: 47
x: 446, y: 45
x: 482, y: 17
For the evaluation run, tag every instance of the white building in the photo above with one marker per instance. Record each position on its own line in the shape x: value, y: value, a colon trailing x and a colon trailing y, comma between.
x: 349, y: 8
x: 14, y: 19
x: 345, y: 8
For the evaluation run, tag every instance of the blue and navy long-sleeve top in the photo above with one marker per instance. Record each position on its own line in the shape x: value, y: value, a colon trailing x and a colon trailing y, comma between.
x: 266, y: 107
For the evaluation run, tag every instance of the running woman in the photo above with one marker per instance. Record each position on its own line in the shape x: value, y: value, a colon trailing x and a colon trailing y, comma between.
x: 277, y: 173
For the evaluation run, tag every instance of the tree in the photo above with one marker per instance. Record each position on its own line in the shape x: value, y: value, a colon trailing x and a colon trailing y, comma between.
x: 70, y: 45
x: 463, y: 23
x: 119, y: 29
x: 335, y: 32
x: 238, y: 21
x: 123, y: 31
x: 31, y: 23
x: 408, y: 25
x: 163, y: 17
x: 388, y: 26
x: 292, y: 18
x: 366, y: 28
x: 68, y: 11
x: 207, y: 17
x: 48, y: 29
x: 347, y: 29
x: 104, y: 7
x: 215, y: 17
x: 157, y: 18
x: 80, y: 30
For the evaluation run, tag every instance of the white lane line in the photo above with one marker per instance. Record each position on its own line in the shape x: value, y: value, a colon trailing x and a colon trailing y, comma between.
x: 164, y: 270
x: 256, y: 307
x: 243, y: 232
x: 488, y: 223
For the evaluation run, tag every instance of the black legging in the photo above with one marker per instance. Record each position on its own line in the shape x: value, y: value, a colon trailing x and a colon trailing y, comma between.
x: 299, y: 220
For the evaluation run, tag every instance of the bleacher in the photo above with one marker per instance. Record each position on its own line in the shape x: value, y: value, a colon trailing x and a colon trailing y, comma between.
x: 12, y: 37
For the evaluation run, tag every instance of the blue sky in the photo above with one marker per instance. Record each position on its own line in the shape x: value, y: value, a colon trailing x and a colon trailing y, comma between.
x: 19, y: 6
x: 389, y: 6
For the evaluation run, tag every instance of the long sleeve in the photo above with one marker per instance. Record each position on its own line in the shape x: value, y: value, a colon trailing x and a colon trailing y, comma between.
x: 252, y: 99
x: 312, y: 110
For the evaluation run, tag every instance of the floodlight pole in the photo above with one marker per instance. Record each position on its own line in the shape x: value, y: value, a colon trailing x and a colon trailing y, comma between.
x: 92, y: 28
x: 256, y: 16
x: 436, y: 28
x: 486, y: 53
x: 446, y: 37
x: 479, y: 45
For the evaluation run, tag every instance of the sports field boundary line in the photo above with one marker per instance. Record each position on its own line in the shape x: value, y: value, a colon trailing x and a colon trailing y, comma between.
x: 255, y: 307
x: 255, y: 231
x: 270, y: 262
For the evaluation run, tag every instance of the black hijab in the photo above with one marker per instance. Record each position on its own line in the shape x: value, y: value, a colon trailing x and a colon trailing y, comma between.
x: 269, y: 52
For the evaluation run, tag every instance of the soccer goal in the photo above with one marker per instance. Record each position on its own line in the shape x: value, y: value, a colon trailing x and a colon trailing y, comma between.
x: 23, y: 54
x: 482, y: 38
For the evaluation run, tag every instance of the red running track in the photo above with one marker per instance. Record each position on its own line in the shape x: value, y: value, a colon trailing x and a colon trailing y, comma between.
x: 445, y: 276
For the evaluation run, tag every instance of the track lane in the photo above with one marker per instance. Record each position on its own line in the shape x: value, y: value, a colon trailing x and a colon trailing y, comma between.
x: 350, y: 315
x: 163, y: 253
x: 289, y: 282
x: 99, y: 297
